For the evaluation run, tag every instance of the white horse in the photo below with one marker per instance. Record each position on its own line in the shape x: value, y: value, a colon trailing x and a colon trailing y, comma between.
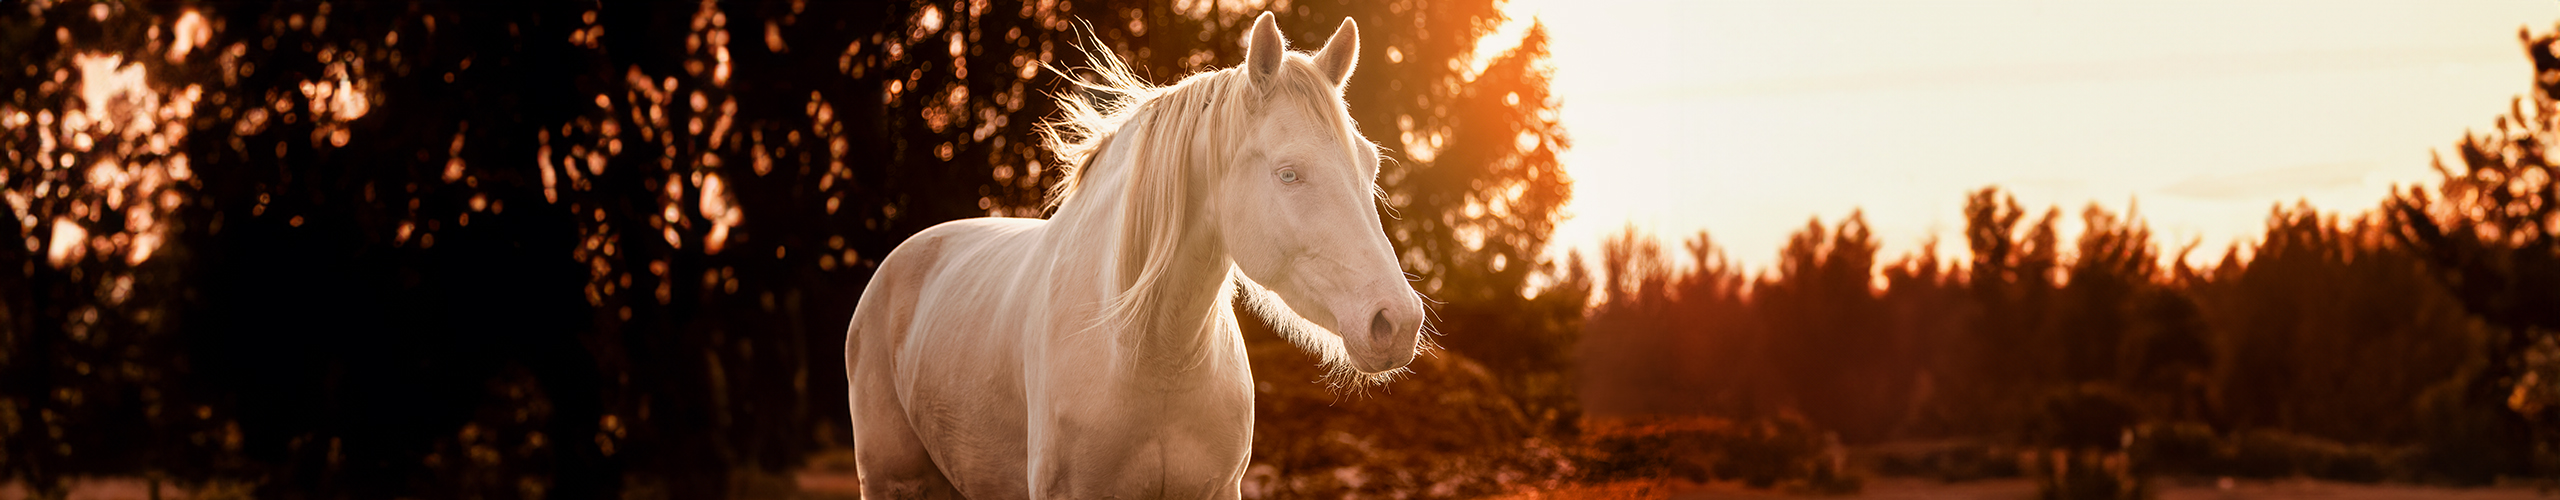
x: 1093, y: 354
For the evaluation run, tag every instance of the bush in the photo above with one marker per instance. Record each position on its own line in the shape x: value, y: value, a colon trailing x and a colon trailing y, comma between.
x: 2088, y: 416
x: 1786, y: 452
x: 2089, y: 474
x: 2185, y: 448
x: 1951, y: 462
x: 2193, y: 449
x: 2268, y: 454
x: 2464, y: 442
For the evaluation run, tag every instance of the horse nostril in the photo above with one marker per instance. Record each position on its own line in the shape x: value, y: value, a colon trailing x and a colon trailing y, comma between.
x: 1379, y: 327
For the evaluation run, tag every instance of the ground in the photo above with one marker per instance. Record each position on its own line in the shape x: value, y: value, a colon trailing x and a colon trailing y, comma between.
x: 815, y: 485
x: 2021, y: 489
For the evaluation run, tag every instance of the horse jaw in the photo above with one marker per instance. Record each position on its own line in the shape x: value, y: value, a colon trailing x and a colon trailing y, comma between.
x: 1341, y: 355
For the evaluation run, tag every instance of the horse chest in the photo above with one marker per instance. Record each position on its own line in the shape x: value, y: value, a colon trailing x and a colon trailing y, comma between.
x: 1183, y: 434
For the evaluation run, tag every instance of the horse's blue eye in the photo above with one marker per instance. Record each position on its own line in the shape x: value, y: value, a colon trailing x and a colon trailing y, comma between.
x: 1289, y: 175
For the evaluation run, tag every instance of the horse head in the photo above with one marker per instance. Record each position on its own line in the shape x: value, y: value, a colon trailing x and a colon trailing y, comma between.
x: 1297, y: 207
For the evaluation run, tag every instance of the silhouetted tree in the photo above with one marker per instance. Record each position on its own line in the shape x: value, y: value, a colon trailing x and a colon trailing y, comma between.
x: 1836, y: 359
x: 1671, y: 339
x: 2114, y: 264
x: 2011, y: 278
x: 2331, y: 330
x: 2487, y: 235
x: 1929, y: 307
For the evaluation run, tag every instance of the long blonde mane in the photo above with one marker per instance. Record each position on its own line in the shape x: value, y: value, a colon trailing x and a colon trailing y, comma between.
x: 1183, y: 130
x: 1112, y: 95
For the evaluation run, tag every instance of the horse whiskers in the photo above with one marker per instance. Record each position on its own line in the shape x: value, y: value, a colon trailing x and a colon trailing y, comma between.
x: 1340, y: 375
x: 1343, y: 380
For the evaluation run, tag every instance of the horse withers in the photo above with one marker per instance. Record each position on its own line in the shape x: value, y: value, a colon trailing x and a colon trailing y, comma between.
x: 1093, y: 354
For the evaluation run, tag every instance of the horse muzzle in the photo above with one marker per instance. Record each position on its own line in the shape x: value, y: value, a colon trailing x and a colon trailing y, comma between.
x: 1383, y: 335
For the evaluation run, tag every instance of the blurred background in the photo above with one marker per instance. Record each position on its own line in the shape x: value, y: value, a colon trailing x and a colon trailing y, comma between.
x: 558, y: 249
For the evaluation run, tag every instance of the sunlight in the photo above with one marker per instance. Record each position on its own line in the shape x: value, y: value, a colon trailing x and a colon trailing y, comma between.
x: 189, y: 33
x: 68, y: 241
x: 1746, y: 118
x: 130, y: 127
x: 1518, y: 16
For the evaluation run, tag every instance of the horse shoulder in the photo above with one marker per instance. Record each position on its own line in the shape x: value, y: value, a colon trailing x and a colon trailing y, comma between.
x: 957, y: 367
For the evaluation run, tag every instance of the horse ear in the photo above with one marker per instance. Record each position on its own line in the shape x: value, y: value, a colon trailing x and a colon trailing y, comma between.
x: 1341, y: 53
x: 1264, y: 48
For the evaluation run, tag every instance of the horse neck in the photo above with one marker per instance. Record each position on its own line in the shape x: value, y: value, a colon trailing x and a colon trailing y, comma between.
x: 1176, y: 330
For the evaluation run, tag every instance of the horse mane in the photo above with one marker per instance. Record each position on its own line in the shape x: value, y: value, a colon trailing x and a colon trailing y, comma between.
x: 1187, y: 126
x: 1110, y: 95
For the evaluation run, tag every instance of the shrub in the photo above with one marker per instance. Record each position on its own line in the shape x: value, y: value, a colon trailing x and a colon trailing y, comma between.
x: 1784, y: 452
x: 2088, y: 416
x: 2193, y: 449
x: 2089, y: 475
x: 2268, y: 453
x: 1950, y: 462
x: 2187, y: 448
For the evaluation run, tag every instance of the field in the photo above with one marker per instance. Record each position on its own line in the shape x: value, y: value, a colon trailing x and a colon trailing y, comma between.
x: 2020, y: 489
x: 815, y: 484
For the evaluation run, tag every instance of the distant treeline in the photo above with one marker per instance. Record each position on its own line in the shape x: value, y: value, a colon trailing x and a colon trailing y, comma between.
x: 2329, y: 329
x: 2425, y: 323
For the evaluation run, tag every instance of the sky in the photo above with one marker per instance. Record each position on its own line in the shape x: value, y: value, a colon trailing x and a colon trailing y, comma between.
x: 1748, y: 118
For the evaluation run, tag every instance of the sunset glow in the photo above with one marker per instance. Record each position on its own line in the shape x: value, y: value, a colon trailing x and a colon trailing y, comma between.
x: 1747, y: 118
x: 702, y: 249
